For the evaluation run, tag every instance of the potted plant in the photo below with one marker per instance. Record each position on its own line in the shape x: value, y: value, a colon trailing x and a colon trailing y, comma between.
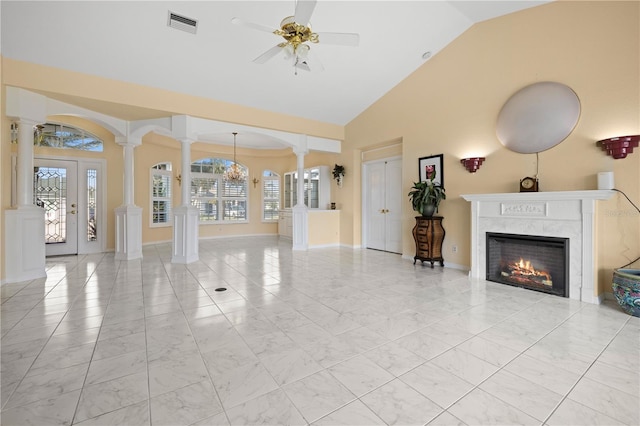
x: 426, y: 196
x: 338, y: 174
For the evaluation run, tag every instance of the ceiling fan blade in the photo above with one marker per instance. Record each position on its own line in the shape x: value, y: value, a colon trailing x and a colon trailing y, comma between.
x: 304, y: 10
x: 242, y: 22
x: 342, y: 39
x: 268, y: 54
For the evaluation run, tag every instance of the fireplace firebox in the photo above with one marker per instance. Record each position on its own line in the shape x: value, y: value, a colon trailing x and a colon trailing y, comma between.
x: 528, y: 261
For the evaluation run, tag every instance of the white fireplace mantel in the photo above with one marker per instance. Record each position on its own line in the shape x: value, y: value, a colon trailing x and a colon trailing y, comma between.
x: 563, y: 214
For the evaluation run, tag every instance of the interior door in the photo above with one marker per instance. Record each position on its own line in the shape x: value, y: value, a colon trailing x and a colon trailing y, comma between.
x: 375, y: 184
x: 393, y: 202
x: 384, y: 205
x: 56, y: 191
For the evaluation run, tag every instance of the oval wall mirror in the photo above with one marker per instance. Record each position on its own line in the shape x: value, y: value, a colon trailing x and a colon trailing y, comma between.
x: 538, y: 117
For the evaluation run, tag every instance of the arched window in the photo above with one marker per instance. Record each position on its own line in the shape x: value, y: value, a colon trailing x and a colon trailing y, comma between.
x: 270, y: 196
x: 161, y: 194
x: 217, y: 199
x: 66, y: 137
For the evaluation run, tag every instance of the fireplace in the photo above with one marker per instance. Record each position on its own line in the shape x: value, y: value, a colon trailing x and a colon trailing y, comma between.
x: 561, y: 214
x: 533, y: 262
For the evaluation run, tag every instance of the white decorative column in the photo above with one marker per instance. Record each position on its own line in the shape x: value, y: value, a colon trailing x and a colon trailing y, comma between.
x: 128, y: 215
x: 300, y: 210
x: 24, y: 224
x: 185, y: 216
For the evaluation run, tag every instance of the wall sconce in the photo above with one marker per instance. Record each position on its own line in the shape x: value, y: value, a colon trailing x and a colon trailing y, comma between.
x: 255, y: 181
x: 14, y: 132
x: 619, y: 146
x: 472, y: 164
x: 179, y: 179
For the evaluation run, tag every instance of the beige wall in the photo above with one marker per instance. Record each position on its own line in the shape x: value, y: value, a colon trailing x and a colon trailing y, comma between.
x: 451, y: 103
x: 324, y: 228
x: 129, y: 101
x: 159, y: 149
x: 447, y: 106
x: 117, y: 98
x: 5, y: 165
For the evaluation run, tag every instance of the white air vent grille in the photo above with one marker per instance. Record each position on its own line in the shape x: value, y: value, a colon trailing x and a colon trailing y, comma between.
x: 183, y: 23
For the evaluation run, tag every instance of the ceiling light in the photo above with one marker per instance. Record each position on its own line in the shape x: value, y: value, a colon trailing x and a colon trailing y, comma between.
x: 426, y: 55
x: 234, y: 173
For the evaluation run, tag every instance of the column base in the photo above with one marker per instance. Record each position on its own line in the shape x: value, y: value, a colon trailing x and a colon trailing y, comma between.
x: 128, y: 232
x: 300, y: 227
x: 185, y: 235
x: 24, y: 244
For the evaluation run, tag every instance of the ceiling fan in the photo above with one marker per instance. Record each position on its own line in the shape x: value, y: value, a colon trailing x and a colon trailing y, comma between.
x: 296, y: 31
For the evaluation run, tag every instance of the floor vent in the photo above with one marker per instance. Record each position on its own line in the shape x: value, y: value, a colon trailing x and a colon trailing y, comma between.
x: 182, y: 23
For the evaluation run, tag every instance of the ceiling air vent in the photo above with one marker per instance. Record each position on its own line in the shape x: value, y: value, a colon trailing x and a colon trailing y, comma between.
x: 183, y: 23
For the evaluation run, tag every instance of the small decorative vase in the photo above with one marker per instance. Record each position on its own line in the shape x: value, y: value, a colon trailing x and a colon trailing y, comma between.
x: 428, y: 209
x: 626, y: 289
x: 339, y: 180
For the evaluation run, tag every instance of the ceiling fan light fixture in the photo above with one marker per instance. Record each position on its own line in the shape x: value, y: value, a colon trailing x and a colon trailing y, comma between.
x: 297, y: 34
x: 289, y: 51
x: 303, y: 51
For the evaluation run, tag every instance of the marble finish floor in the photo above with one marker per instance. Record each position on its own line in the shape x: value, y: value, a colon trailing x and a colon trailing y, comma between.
x: 326, y: 337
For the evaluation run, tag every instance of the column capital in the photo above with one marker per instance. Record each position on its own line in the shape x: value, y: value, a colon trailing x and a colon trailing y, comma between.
x: 128, y: 141
x: 26, y: 121
x: 301, y: 146
x: 186, y: 140
x: 22, y: 104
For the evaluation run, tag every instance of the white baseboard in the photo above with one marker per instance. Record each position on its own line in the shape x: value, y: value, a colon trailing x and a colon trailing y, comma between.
x: 220, y: 237
x: 332, y: 245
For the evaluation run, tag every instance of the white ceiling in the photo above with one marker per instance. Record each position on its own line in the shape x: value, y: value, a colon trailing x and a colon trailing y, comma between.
x: 130, y: 41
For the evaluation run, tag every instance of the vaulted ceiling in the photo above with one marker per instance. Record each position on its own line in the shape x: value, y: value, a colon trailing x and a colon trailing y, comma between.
x: 131, y: 41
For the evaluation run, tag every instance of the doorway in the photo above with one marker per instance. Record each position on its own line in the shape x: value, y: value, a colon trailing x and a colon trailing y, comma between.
x: 71, y: 195
x: 383, y: 205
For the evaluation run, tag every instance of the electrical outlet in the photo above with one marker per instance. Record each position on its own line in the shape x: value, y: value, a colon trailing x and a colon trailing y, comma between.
x: 454, y: 249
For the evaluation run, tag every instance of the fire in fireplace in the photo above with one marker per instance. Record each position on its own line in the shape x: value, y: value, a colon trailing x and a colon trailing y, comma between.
x: 533, y: 262
x: 523, y: 272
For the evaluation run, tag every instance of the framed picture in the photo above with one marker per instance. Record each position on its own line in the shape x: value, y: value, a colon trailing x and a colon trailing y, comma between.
x: 431, y: 168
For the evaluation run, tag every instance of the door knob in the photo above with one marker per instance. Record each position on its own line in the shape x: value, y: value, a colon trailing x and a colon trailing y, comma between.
x: 72, y: 212
x: 73, y: 205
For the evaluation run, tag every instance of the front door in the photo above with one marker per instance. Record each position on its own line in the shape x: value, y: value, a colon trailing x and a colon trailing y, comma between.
x: 56, y: 191
x: 69, y: 194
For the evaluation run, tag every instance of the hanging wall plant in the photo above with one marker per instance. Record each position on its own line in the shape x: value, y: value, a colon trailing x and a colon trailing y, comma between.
x: 338, y: 174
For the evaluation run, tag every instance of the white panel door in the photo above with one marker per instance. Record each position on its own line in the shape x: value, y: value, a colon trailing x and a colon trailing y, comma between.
x: 375, y: 185
x: 393, y: 203
x: 384, y: 205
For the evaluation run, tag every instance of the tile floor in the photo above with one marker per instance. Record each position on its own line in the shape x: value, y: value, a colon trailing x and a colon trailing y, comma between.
x: 326, y: 337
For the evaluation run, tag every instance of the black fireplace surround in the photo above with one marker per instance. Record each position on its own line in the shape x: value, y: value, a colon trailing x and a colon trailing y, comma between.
x: 528, y: 261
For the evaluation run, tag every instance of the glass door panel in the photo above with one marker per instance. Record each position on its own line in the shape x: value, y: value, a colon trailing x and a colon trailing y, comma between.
x: 55, y: 191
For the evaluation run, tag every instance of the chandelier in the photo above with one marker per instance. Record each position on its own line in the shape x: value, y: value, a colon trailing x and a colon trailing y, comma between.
x: 234, y: 173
